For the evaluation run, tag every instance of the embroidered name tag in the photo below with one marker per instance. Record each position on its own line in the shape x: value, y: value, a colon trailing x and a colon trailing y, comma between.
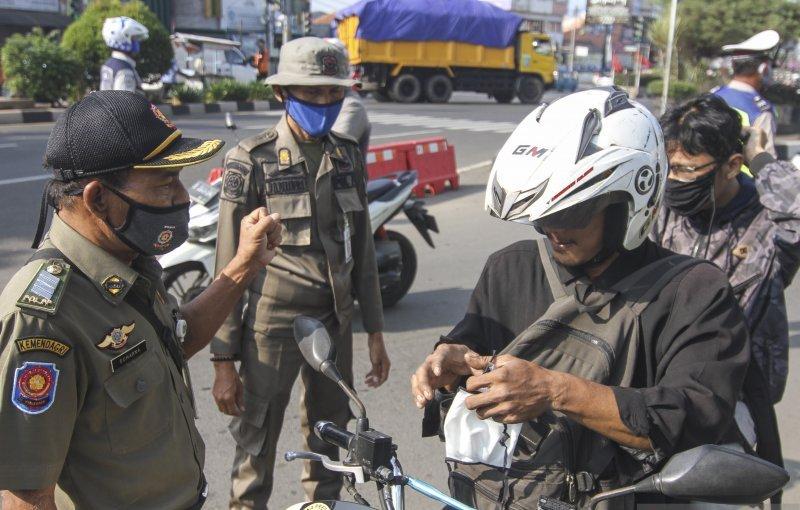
x: 35, y: 343
x: 128, y: 356
x: 287, y: 185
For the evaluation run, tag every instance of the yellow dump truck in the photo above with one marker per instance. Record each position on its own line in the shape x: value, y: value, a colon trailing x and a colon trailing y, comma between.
x: 396, y: 67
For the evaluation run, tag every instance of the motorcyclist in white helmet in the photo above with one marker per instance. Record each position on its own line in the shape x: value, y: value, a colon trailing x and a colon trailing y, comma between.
x: 611, y: 353
x: 123, y: 35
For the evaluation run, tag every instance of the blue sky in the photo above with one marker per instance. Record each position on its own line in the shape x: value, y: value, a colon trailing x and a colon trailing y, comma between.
x: 333, y: 5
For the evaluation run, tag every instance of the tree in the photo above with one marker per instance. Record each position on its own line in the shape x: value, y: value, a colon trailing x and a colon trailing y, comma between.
x: 36, y: 66
x: 84, y: 37
x: 717, y: 22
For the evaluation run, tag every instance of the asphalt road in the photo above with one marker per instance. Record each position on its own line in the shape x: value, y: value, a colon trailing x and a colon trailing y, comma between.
x: 446, y: 274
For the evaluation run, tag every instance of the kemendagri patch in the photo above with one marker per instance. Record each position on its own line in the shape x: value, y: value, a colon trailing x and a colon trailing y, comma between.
x: 42, y: 344
x: 34, y: 388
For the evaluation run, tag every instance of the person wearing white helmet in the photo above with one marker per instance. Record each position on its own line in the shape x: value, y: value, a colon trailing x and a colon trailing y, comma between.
x: 123, y: 35
x: 590, y: 354
x: 751, y: 62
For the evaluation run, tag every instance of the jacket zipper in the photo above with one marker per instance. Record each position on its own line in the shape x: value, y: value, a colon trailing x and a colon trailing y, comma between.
x: 584, y: 337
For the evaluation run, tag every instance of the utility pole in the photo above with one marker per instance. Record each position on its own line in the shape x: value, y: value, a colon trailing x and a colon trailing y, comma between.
x: 673, y: 14
x: 287, y: 21
x: 571, y: 63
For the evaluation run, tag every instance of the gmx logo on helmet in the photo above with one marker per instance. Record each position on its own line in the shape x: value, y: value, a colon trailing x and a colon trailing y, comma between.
x: 529, y: 150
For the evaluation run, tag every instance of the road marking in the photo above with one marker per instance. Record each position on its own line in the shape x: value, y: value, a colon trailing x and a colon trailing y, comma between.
x: 18, y: 180
x: 476, y: 166
x: 407, y: 133
x: 424, y: 121
x: 8, y: 145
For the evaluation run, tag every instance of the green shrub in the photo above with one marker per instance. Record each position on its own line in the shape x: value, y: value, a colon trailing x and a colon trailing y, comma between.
x: 186, y: 94
x: 260, y: 92
x: 678, y: 90
x: 84, y: 37
x: 35, y: 66
x: 227, y: 90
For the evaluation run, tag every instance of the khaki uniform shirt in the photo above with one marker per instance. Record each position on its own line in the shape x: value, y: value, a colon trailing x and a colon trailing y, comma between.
x: 327, y: 256
x: 91, y: 399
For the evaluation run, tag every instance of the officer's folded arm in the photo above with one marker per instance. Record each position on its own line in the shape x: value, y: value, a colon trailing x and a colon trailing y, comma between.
x: 260, y: 234
x: 39, y: 499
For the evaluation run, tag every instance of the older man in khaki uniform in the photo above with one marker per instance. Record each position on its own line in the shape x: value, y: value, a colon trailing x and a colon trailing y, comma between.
x: 93, y: 379
x: 315, y: 180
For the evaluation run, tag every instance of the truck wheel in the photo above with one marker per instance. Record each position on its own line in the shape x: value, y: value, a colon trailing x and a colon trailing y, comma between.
x: 406, y: 88
x: 503, y: 97
x: 381, y: 96
x: 530, y: 89
x: 438, y: 88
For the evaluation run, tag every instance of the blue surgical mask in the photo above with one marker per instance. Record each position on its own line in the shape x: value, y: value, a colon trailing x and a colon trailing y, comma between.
x: 315, y: 119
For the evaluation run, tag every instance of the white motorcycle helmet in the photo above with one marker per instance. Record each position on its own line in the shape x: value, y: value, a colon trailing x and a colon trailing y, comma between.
x: 567, y: 161
x: 124, y: 34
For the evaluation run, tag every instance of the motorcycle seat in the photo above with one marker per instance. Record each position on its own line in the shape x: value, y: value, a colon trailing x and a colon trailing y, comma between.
x: 378, y: 187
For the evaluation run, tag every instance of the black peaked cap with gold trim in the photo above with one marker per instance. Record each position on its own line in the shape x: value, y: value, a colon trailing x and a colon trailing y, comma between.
x: 112, y: 130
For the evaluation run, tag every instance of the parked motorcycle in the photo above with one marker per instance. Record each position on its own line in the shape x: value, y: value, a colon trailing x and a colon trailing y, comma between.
x: 189, y: 269
x: 708, y: 473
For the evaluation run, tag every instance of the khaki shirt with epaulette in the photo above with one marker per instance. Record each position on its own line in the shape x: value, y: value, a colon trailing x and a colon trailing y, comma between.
x: 91, y: 398
x: 327, y: 256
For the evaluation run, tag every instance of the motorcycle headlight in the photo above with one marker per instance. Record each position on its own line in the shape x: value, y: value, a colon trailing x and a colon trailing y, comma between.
x: 198, y: 234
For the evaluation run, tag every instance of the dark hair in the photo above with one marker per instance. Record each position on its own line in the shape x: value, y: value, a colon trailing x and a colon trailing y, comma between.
x: 61, y: 194
x: 747, y: 66
x: 704, y: 125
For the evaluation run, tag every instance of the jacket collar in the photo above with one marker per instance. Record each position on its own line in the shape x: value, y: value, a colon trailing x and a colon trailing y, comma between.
x: 287, y: 143
x: 112, y: 277
x: 122, y: 56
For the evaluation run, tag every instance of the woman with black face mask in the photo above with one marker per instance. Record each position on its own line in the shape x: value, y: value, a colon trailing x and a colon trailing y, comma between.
x: 749, y: 227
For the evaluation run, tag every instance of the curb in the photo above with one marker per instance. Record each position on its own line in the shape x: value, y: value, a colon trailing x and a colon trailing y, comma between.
x: 33, y: 115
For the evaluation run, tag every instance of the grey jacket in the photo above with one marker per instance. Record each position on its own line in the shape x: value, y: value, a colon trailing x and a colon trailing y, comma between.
x: 756, y: 241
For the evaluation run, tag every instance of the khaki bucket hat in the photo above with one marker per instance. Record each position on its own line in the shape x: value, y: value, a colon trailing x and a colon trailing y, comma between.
x: 312, y: 61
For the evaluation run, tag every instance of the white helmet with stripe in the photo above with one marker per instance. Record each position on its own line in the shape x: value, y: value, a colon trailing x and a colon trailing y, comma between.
x: 567, y: 161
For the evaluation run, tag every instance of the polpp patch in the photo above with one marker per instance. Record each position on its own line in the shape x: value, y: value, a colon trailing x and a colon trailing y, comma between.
x: 163, y: 239
x: 330, y: 65
x: 114, y: 284
x: 46, y: 289
x: 41, y: 344
x: 232, y: 184
x: 34, y: 388
x: 117, y: 337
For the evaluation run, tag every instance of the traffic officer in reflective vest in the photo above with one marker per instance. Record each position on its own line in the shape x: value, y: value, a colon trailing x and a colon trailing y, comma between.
x: 315, y: 180
x: 93, y: 379
x: 751, y: 61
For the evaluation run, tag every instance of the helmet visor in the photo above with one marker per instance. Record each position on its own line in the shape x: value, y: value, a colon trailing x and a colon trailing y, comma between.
x: 576, y: 217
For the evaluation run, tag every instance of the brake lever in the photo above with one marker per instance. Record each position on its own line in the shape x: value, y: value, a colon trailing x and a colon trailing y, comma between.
x: 357, y: 471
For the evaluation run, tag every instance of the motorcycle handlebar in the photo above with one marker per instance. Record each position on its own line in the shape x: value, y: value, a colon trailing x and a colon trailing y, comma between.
x: 334, y: 435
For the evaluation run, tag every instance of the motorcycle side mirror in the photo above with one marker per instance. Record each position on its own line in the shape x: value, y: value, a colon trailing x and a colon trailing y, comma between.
x: 229, y: 122
x: 712, y: 474
x: 317, y: 348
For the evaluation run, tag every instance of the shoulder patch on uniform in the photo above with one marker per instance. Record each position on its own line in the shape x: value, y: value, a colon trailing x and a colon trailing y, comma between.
x: 46, y: 289
x: 42, y: 344
x: 252, y: 142
x: 34, y: 389
x: 233, y: 183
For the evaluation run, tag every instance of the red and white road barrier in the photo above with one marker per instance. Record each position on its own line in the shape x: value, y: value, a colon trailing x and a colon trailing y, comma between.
x: 433, y: 158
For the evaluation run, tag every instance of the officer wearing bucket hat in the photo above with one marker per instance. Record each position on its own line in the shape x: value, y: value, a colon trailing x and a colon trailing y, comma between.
x: 315, y: 179
x: 94, y: 385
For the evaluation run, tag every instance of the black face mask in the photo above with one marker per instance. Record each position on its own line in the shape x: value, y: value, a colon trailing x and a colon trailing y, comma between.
x: 690, y: 198
x: 153, y: 230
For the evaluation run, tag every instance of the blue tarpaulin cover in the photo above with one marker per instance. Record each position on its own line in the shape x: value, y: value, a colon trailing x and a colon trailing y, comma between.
x: 468, y: 21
